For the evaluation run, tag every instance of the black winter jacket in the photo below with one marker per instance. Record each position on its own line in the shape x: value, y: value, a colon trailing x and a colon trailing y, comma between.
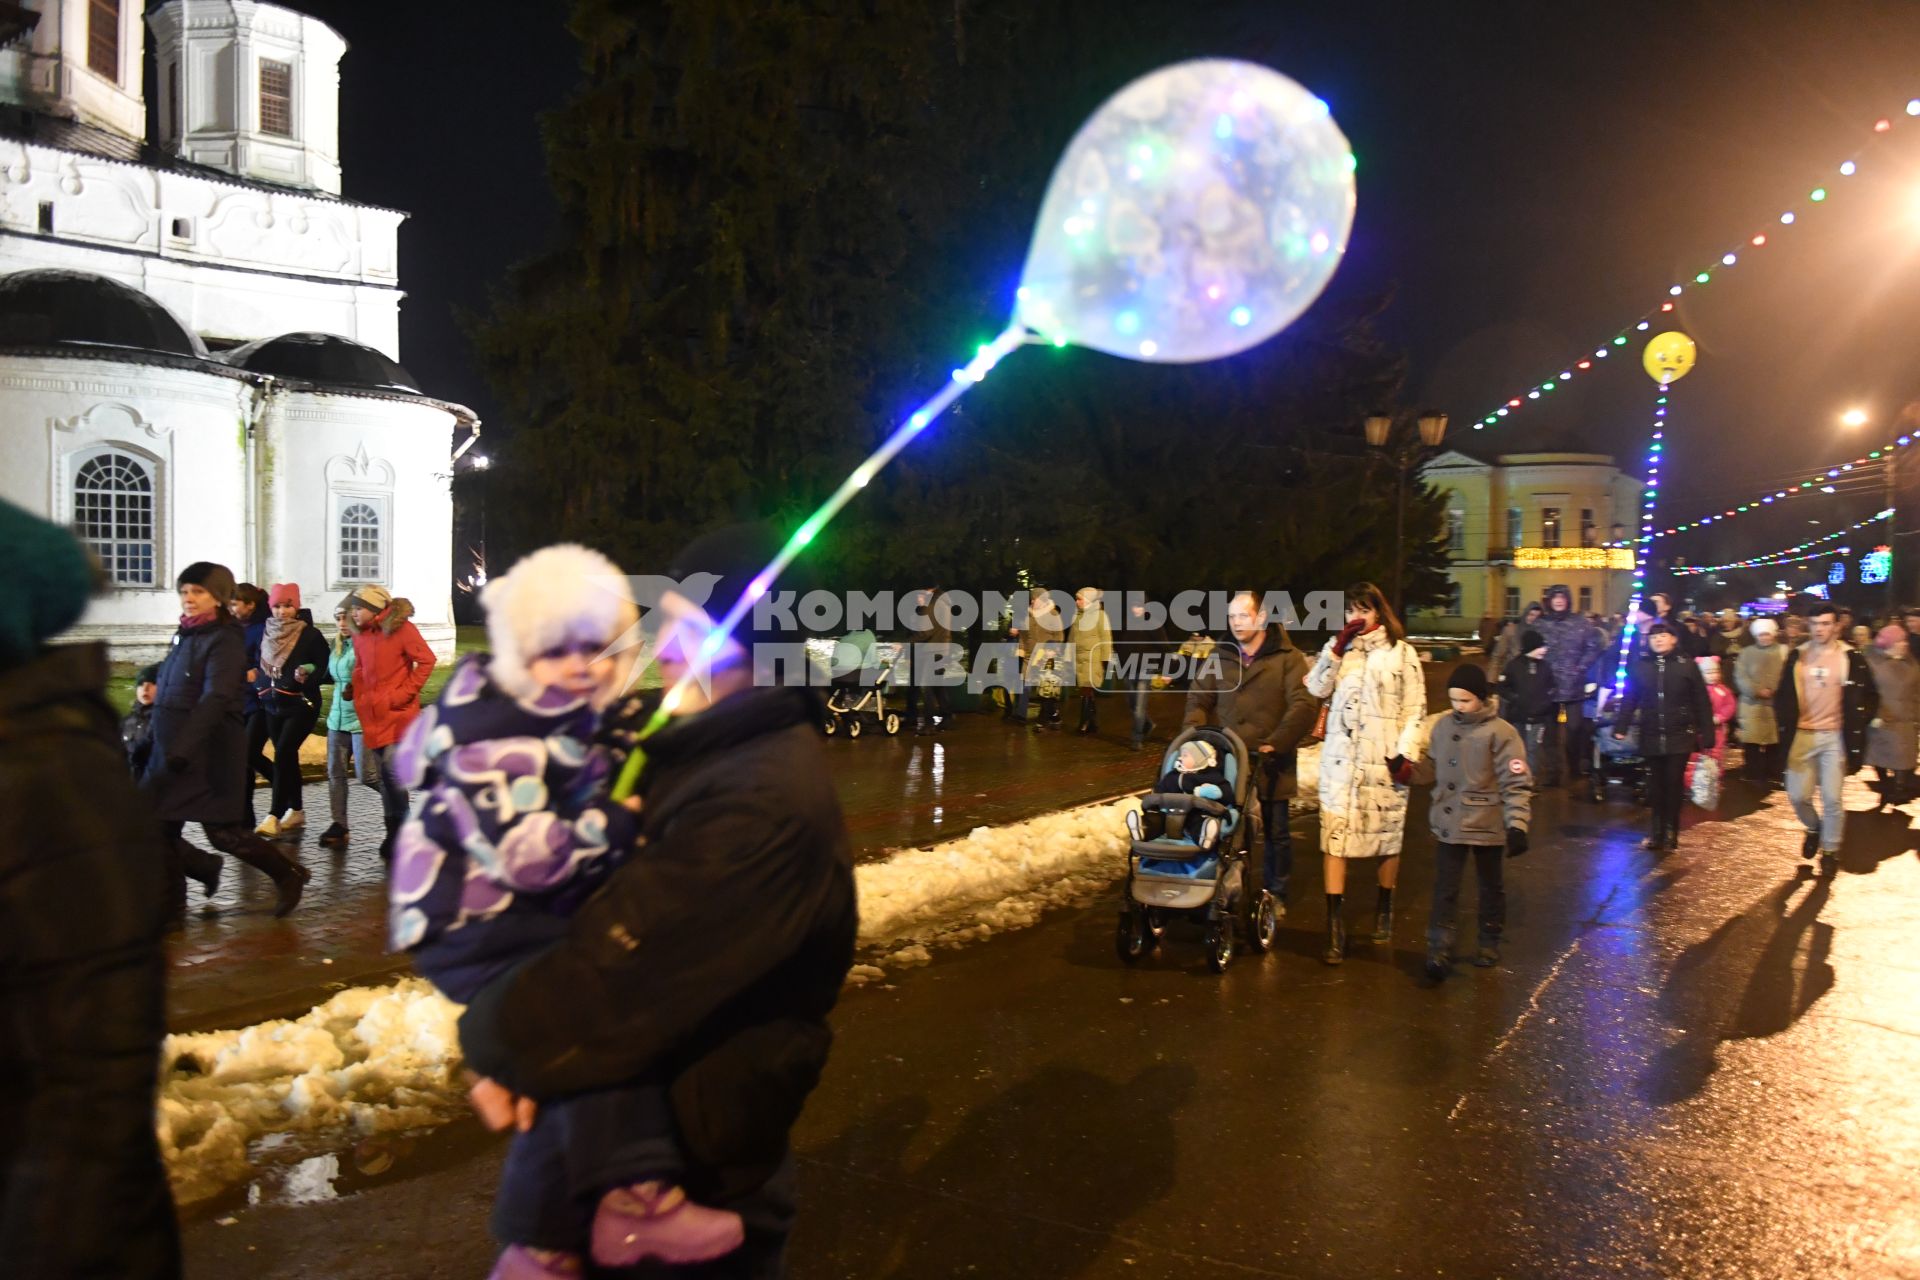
x: 714, y: 954
x: 83, y: 900
x: 1667, y: 702
x: 198, y: 769
x: 136, y: 736
x: 1526, y: 692
x: 311, y: 648
x: 1860, y: 703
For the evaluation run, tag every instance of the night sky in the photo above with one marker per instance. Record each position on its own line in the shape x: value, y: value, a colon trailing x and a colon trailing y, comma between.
x: 1532, y: 177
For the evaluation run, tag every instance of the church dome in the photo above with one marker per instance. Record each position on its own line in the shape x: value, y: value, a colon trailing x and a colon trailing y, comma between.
x: 77, y: 308
x: 323, y: 358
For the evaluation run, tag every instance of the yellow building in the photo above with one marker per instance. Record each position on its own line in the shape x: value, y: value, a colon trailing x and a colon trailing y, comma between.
x: 1522, y: 523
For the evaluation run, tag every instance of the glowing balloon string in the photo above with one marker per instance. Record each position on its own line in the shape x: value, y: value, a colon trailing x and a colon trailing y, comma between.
x: 967, y: 376
x: 1196, y: 214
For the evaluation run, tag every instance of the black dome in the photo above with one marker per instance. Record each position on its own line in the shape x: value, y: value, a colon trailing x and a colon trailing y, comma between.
x: 49, y: 308
x: 323, y: 358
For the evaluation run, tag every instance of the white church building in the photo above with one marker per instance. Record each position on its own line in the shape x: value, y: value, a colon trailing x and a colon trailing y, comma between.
x: 199, y: 338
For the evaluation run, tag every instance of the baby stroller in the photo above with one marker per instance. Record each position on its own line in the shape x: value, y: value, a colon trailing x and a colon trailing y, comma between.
x: 851, y: 705
x: 1190, y: 856
x: 1615, y: 762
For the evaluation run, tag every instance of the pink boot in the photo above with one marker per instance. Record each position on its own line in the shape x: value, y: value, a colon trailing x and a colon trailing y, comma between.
x: 654, y: 1220
x: 518, y: 1262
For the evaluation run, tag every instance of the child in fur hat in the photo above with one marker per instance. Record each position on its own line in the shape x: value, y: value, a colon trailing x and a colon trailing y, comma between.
x: 516, y: 831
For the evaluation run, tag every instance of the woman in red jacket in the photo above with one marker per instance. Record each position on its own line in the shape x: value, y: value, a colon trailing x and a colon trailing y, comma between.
x: 391, y: 663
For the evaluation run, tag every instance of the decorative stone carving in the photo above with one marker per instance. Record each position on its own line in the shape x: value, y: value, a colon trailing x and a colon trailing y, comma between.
x: 113, y: 420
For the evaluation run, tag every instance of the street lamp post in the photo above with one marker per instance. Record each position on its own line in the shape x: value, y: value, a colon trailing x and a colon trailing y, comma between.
x: 1406, y: 454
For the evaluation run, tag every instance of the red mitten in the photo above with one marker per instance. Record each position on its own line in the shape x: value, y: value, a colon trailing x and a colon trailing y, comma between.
x: 1347, y: 633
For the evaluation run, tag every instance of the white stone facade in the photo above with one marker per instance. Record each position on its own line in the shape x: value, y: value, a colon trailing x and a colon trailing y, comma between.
x: 234, y: 262
x: 51, y: 70
x: 250, y: 474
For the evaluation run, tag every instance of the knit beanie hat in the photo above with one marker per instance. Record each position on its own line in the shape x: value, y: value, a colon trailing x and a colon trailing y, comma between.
x: 146, y: 675
x: 370, y: 597
x: 560, y: 595
x: 1532, y: 640
x: 1197, y: 755
x: 1709, y: 665
x: 1470, y: 677
x: 1763, y: 627
x: 716, y: 569
x: 216, y: 579
x: 284, y: 593
x: 46, y: 579
x: 1889, y: 636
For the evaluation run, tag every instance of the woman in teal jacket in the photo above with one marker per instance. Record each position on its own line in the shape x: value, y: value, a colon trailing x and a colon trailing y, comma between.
x: 346, y: 748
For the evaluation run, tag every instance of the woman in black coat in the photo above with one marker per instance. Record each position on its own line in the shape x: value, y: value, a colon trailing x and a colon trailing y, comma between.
x: 197, y: 769
x: 290, y: 668
x: 1666, y: 701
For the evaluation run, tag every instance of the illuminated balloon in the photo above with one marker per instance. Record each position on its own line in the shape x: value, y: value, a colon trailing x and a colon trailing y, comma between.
x: 1669, y: 357
x: 1198, y: 213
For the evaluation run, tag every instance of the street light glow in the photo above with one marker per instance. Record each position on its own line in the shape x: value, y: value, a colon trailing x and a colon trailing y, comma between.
x: 481, y: 462
x: 1854, y: 418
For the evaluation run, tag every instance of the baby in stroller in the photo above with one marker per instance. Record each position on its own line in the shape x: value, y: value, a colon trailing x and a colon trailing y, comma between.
x: 1190, y: 838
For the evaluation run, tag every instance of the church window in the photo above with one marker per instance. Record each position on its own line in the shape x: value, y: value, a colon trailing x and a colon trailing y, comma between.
x: 103, y: 38
x: 113, y: 511
x: 360, y: 533
x: 276, y: 97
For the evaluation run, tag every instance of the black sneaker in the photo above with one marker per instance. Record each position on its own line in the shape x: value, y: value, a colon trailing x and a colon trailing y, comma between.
x: 1488, y: 955
x: 334, y: 837
x: 1829, y: 865
x: 1439, y: 964
x: 1810, y: 846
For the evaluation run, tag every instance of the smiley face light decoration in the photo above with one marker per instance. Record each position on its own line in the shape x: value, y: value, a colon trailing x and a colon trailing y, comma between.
x: 1197, y: 213
x: 1669, y: 357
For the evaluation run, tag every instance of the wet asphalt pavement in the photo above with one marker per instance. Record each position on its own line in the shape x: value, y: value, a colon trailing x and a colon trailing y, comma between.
x: 1696, y: 1064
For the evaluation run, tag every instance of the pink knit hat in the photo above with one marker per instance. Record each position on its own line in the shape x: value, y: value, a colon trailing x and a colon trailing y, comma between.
x: 284, y: 593
x: 1889, y: 636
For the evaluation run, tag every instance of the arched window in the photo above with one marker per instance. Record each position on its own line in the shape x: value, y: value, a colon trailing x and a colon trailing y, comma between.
x: 113, y: 514
x: 360, y: 540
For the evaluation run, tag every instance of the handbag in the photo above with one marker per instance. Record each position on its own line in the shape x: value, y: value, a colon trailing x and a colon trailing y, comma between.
x: 1319, y: 732
x: 1704, y: 782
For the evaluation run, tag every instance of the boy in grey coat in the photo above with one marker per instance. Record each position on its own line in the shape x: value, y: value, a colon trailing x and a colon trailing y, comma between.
x: 1481, y: 805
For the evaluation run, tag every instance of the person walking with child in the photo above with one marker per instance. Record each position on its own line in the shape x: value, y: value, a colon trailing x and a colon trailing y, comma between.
x: 1379, y: 697
x: 292, y: 667
x: 1481, y: 808
x: 1666, y: 700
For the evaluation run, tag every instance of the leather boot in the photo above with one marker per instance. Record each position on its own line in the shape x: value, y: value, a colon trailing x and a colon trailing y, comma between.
x: 202, y: 867
x: 1383, y: 916
x: 289, y: 877
x: 1336, y: 929
x: 1656, y: 840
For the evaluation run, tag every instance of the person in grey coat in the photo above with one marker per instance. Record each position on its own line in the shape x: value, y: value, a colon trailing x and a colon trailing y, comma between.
x: 196, y: 771
x: 1891, y: 737
x: 1481, y: 807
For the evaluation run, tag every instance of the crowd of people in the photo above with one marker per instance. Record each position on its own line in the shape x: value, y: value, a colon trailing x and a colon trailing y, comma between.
x: 648, y: 1032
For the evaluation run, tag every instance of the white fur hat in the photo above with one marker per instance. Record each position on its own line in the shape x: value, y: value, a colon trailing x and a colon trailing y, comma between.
x: 558, y: 594
x: 1763, y: 626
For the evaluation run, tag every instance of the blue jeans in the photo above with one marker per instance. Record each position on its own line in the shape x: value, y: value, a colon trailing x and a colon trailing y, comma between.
x: 1140, y: 688
x: 1819, y: 758
x: 1277, y: 836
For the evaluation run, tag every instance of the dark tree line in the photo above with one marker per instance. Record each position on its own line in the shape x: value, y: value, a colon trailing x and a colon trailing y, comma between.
x: 785, y: 222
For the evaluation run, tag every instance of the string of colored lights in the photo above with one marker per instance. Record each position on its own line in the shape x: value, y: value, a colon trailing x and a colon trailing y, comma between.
x: 1818, y: 195
x: 964, y: 378
x: 1789, y: 554
x: 1816, y: 485
x: 1648, y: 496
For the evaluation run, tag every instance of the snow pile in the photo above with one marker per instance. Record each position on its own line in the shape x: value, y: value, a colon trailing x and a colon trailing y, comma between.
x: 370, y: 1059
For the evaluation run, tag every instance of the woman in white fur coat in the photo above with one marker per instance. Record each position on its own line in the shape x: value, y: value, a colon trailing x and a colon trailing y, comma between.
x: 1379, y: 700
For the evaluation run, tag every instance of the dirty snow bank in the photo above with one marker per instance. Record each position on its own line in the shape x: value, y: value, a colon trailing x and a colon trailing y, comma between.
x: 369, y: 1059
x: 376, y: 1059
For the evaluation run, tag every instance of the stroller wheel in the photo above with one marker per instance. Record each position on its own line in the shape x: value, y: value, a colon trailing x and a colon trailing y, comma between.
x: 1220, y: 944
x: 1264, y: 923
x: 831, y: 725
x: 853, y: 726
x: 891, y: 724
x: 1134, y: 939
